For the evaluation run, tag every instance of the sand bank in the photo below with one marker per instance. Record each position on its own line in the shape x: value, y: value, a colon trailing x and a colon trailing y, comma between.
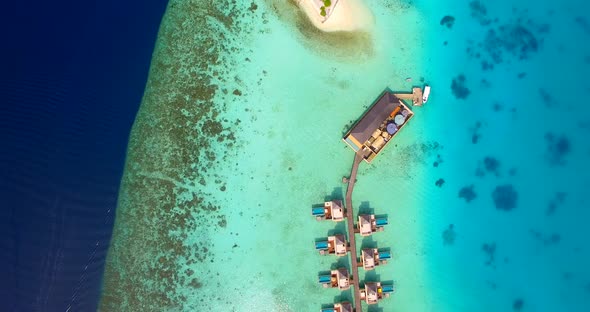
x: 348, y: 15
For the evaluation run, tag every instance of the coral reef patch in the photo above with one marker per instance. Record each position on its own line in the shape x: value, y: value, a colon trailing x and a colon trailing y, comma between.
x: 505, y: 197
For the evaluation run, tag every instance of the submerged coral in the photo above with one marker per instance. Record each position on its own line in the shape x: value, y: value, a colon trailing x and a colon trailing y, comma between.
x: 505, y: 197
x: 516, y: 37
x: 458, y: 87
x: 479, y: 12
x: 558, y: 147
x: 447, y: 21
x: 546, y: 239
x: 490, y: 250
x: 467, y: 193
x: 555, y: 202
x: 449, y: 235
x: 518, y: 304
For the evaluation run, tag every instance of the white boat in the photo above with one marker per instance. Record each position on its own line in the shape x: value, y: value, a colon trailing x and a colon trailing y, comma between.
x: 425, y: 94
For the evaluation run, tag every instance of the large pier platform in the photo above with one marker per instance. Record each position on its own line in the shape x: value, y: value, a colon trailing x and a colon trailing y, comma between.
x: 380, y: 123
x: 368, y: 136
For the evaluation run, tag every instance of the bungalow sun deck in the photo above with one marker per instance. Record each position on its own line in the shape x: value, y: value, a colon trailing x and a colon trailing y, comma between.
x: 333, y: 245
x: 375, y: 291
x: 369, y: 224
x: 339, y: 307
x: 379, y: 125
x: 336, y: 278
x: 332, y: 210
x: 371, y: 257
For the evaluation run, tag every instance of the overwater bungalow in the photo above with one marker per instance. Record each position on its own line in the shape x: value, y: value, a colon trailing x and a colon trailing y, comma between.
x: 380, y: 123
x: 369, y: 224
x: 375, y: 291
x: 336, y: 278
x: 371, y: 257
x: 333, y: 245
x: 332, y: 210
x: 339, y: 307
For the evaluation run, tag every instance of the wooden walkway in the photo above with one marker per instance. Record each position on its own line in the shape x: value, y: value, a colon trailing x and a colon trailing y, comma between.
x: 415, y: 96
x: 358, y: 157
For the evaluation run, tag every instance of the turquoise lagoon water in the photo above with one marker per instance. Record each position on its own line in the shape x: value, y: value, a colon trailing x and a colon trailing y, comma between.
x: 483, y: 189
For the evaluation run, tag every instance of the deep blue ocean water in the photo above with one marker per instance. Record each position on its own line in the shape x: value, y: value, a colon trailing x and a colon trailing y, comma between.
x: 72, y: 75
x: 510, y: 109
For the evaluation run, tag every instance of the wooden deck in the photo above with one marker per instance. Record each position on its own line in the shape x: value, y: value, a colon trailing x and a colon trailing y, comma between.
x: 358, y: 157
x: 415, y: 96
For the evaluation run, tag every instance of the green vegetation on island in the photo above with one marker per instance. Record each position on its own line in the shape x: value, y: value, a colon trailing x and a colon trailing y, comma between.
x: 327, y: 3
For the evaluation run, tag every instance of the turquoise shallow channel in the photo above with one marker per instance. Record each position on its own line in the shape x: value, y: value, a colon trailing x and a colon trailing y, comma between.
x: 239, y: 135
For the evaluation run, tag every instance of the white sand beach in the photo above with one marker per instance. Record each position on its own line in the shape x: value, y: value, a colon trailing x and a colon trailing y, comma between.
x: 348, y: 15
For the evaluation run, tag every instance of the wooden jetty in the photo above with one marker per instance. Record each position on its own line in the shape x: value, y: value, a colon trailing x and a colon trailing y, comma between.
x: 358, y: 157
x: 367, y: 137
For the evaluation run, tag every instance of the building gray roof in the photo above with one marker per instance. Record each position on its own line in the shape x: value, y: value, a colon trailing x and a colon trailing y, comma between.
x: 373, y: 118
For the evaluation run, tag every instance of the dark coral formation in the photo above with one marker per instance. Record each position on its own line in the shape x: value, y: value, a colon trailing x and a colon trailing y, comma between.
x: 505, y: 197
x: 492, y: 285
x: 516, y: 38
x: 555, y: 202
x: 512, y: 172
x: 582, y: 22
x: 459, y: 88
x: 497, y: 107
x: 438, y: 161
x: 440, y: 182
x: 447, y: 21
x: 253, y: 7
x: 512, y: 39
x: 419, y: 152
x: 479, y: 12
x: 449, y: 235
x: 518, y: 304
x: 546, y: 98
x: 475, y: 136
x: 558, y: 147
x: 491, y: 165
x: 467, y: 193
x: 546, y: 239
x: 490, y: 251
